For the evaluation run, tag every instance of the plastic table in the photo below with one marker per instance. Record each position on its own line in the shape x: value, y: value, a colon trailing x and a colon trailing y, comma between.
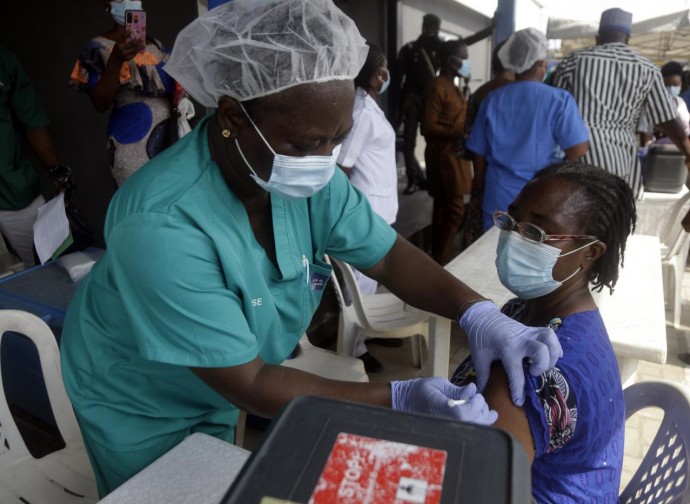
x: 199, y: 470
x: 654, y: 211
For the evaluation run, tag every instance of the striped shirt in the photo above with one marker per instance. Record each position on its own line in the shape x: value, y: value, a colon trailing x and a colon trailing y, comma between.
x: 613, y: 85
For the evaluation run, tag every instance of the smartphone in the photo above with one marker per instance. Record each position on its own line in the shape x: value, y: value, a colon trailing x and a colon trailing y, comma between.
x: 135, y: 23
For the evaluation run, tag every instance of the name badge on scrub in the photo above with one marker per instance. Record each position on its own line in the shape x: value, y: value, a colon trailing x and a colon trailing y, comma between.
x: 318, y: 281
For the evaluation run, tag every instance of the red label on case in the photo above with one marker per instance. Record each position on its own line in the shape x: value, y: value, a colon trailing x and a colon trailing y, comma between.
x: 363, y: 470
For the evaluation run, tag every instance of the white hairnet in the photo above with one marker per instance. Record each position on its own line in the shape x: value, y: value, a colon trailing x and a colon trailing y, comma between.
x: 523, y: 49
x: 251, y: 48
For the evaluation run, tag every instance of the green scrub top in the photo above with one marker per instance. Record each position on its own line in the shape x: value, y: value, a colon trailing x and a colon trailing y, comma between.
x: 20, y: 111
x: 184, y: 283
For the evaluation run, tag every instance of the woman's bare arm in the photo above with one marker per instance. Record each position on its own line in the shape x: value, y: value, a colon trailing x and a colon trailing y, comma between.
x: 103, y: 93
x: 511, y: 418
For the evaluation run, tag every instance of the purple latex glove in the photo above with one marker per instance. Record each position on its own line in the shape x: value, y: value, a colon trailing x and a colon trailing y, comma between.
x: 434, y: 396
x: 495, y: 336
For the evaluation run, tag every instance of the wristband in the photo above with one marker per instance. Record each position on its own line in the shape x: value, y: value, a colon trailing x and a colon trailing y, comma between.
x: 58, y: 170
x: 464, y: 306
x: 62, y: 174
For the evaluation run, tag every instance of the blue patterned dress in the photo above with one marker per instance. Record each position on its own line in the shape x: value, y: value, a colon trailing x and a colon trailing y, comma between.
x: 576, y: 413
x: 137, y: 128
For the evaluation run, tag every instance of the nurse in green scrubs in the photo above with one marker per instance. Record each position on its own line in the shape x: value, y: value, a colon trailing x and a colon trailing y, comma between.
x: 215, y: 252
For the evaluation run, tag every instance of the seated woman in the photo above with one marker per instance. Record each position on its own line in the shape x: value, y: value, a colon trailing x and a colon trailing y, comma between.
x: 565, y: 230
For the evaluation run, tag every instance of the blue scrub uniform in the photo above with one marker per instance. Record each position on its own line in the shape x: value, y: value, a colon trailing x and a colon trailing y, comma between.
x: 520, y: 129
x: 184, y: 283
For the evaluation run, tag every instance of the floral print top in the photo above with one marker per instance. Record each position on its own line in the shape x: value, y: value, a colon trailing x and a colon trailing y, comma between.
x: 140, y: 119
x: 576, y: 413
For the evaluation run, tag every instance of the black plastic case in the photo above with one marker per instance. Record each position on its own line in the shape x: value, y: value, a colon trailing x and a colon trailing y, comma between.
x: 664, y: 169
x: 484, y: 464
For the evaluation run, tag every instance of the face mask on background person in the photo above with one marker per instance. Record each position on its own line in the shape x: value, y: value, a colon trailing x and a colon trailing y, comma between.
x: 526, y: 268
x: 294, y: 177
x: 117, y: 9
x: 386, y: 81
x: 465, y: 69
x: 674, y: 90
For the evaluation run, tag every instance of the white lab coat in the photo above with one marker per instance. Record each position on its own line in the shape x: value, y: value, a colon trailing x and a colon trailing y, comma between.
x: 369, y: 149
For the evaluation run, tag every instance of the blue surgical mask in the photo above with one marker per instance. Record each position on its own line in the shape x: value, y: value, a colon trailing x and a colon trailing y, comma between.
x: 386, y: 82
x: 526, y: 268
x: 294, y: 177
x: 466, y: 69
x: 117, y: 9
x: 674, y: 90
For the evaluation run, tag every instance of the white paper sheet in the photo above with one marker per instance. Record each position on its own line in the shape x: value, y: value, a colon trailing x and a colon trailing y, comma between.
x: 77, y: 264
x: 51, y: 227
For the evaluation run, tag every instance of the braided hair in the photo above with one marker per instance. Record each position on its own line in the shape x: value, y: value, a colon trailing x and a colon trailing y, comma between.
x: 605, y: 207
x: 672, y: 68
x: 375, y: 60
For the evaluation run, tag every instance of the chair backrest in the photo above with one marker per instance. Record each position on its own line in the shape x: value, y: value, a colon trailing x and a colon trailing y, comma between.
x: 664, y: 474
x: 353, y: 289
x: 326, y: 364
x: 12, y: 444
x: 673, y: 236
x: 349, y: 324
x: 339, y: 294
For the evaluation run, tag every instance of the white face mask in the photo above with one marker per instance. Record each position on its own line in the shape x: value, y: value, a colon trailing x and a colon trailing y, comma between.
x: 117, y: 9
x: 674, y: 90
x: 465, y: 71
x: 294, y: 177
x: 386, y: 82
x: 526, y: 268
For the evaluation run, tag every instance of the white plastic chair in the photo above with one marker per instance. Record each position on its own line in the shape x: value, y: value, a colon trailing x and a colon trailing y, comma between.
x: 375, y: 316
x: 664, y: 474
x: 674, y: 246
x: 61, y: 477
x: 326, y: 364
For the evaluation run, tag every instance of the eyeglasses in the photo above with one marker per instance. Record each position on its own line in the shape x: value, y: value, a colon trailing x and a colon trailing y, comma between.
x: 532, y: 232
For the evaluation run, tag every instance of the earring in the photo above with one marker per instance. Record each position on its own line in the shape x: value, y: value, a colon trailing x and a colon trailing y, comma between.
x: 226, y: 133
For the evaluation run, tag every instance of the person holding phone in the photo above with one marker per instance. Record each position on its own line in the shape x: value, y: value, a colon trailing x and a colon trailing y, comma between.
x: 123, y: 72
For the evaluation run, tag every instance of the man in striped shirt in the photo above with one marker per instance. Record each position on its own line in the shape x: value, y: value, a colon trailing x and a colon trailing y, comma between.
x: 613, y: 85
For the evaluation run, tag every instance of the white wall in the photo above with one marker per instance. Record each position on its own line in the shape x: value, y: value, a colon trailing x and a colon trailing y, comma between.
x: 530, y: 14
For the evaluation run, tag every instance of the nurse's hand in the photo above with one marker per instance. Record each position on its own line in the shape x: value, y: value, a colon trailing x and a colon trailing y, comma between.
x: 127, y: 47
x: 495, y: 336
x: 439, y: 397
